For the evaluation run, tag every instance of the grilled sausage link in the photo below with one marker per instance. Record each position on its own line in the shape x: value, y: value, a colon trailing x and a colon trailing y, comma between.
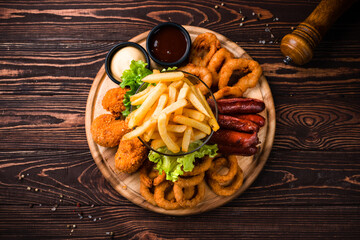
x: 237, y: 124
x: 255, y: 118
x: 233, y: 138
x: 238, y: 105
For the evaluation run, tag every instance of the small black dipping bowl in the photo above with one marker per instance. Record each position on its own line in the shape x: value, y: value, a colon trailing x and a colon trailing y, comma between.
x: 155, y: 31
x: 116, y: 48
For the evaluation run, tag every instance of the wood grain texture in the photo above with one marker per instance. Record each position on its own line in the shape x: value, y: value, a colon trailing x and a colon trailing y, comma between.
x: 293, y: 178
x: 59, y: 83
x: 251, y: 222
x: 50, y: 51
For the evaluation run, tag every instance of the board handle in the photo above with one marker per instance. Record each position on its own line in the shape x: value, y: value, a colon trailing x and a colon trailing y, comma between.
x: 299, y: 45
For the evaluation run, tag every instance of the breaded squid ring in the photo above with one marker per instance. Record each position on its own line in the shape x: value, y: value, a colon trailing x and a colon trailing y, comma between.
x: 217, y: 61
x: 149, y: 176
x: 159, y: 196
x: 217, y: 164
x: 188, y: 203
x: 190, y: 181
x: 203, y: 73
x: 203, y: 48
x: 159, y: 178
x: 228, y: 92
x: 188, y: 194
x: 248, y: 81
x: 200, y: 168
x: 230, y: 189
x: 147, y: 194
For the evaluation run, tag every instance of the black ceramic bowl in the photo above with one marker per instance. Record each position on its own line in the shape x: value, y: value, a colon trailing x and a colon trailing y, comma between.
x: 155, y: 31
x: 116, y: 48
x: 194, y: 80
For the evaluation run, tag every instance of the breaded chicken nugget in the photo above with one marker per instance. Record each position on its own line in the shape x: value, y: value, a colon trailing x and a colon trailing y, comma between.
x: 107, y: 131
x: 113, y: 101
x: 130, y: 155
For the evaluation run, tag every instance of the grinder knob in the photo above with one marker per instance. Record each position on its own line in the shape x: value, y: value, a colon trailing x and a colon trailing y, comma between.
x: 299, y: 45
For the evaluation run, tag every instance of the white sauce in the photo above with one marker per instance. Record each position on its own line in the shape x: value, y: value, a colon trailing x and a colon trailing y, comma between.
x: 122, y: 59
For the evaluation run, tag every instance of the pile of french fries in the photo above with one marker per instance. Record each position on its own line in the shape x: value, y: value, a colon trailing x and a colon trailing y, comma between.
x: 173, y: 113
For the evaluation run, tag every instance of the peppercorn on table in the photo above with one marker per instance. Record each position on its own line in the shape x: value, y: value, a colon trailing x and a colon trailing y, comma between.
x: 50, y: 186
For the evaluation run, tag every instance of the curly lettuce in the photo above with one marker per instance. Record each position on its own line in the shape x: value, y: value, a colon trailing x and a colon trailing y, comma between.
x: 175, y: 166
x: 131, y: 78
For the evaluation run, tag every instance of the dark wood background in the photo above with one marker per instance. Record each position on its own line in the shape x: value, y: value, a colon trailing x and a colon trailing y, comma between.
x: 50, y: 52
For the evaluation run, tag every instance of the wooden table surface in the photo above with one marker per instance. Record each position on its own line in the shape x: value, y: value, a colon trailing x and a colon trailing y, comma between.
x: 50, y: 52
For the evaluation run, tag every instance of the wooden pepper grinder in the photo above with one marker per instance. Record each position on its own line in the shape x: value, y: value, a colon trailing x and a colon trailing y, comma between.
x: 299, y: 45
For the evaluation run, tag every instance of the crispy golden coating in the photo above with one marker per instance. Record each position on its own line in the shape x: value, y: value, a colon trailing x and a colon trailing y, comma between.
x: 130, y: 155
x: 203, y: 73
x: 107, y: 131
x: 251, y: 68
x: 203, y: 48
x: 113, y: 101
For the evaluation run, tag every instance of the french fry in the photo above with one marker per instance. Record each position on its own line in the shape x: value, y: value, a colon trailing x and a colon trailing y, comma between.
x: 176, y: 128
x: 140, y: 94
x: 176, y: 84
x: 150, y: 112
x: 171, y: 145
x: 182, y: 95
x: 139, y: 115
x: 194, y: 114
x: 148, y: 134
x: 161, y: 105
x: 212, y: 121
x: 172, y: 95
x: 186, y: 139
x: 139, y: 130
x: 198, y: 135
x: 157, y: 143
x: 183, y: 91
x: 197, y: 103
x: 192, y: 123
x: 175, y: 106
x: 164, y: 77
x: 155, y: 71
x: 155, y: 135
x: 141, y: 99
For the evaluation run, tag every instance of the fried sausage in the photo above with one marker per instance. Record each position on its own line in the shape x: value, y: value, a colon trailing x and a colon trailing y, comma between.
x: 237, y: 124
x: 233, y: 138
x: 237, y: 150
x: 238, y: 105
x: 255, y: 118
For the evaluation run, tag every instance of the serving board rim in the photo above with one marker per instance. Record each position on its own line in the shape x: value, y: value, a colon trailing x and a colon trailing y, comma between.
x: 112, y: 176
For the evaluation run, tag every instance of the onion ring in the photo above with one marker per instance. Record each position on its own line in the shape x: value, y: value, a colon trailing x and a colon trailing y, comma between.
x: 188, y: 194
x: 147, y: 194
x: 230, y: 189
x: 228, y: 91
x: 248, y: 81
x: 203, y: 48
x: 149, y: 176
x: 217, y: 61
x: 159, y: 179
x: 203, y: 73
x: 181, y: 199
x: 190, y: 181
x: 159, y: 196
x: 230, y: 162
x: 200, y: 168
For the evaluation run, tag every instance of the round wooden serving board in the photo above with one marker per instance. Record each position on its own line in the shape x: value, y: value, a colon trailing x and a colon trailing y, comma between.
x: 128, y: 184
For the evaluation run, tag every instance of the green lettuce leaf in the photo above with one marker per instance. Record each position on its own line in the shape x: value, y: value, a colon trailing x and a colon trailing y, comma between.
x: 131, y: 78
x: 175, y: 166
